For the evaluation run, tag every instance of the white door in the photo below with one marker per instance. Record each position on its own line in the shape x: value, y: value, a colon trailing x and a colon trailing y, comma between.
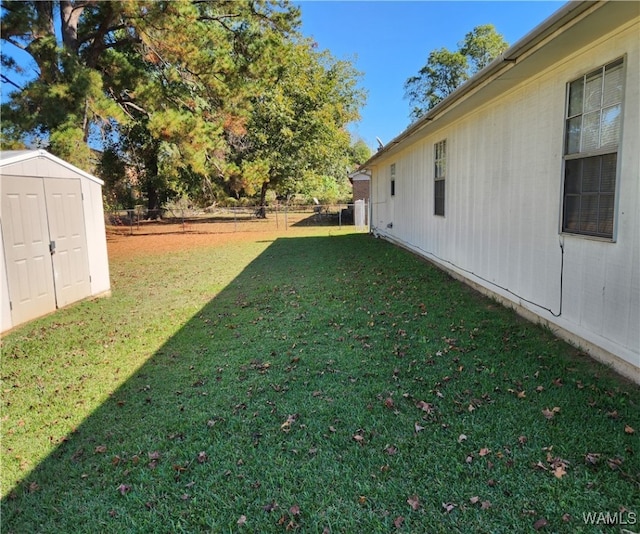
x: 27, y: 255
x: 68, y: 240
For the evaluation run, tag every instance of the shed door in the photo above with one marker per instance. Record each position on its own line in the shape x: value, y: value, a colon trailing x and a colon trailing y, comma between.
x: 68, y: 239
x: 26, y: 238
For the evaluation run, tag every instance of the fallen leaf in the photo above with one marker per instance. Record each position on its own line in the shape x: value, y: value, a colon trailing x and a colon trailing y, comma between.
x: 484, y: 451
x: 202, y: 457
x: 362, y: 499
x: 522, y: 394
x: 270, y: 507
x: 474, y: 499
x: 414, y: 502
x: 484, y: 505
x: 566, y: 518
x: 33, y: 487
x: 124, y: 489
x: 461, y: 438
x: 242, y: 520
x: 559, y: 471
x: 592, y: 458
x: 540, y: 465
x: 286, y: 426
x: 425, y: 406
x: 614, y: 463
x: 100, y: 449
x: 388, y: 402
x: 522, y: 440
x: 628, y: 429
x: 448, y: 506
x: 397, y: 522
x: 540, y: 523
x: 417, y: 427
x: 155, y: 455
x: 391, y: 450
x: 358, y: 439
x: 549, y: 414
x: 294, y: 510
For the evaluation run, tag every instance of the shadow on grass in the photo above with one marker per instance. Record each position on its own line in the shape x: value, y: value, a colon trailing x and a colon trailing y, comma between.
x: 269, y: 411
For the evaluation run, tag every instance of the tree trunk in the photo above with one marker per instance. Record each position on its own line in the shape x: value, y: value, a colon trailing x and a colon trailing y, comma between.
x: 70, y: 15
x: 261, y: 213
x: 45, y: 56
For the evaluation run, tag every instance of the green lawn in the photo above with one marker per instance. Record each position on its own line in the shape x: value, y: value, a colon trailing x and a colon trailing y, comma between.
x: 311, y: 384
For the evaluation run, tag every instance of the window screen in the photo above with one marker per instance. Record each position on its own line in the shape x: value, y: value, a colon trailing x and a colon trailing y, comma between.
x: 592, y: 136
x: 439, y: 175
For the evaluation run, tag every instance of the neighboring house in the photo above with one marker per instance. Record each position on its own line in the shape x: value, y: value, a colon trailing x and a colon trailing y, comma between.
x: 525, y: 182
x: 361, y: 183
x: 360, y: 180
x: 54, y: 246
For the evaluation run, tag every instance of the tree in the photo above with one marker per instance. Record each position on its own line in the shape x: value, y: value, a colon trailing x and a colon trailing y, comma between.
x: 445, y: 71
x: 159, y: 82
x: 296, y: 133
x: 359, y: 152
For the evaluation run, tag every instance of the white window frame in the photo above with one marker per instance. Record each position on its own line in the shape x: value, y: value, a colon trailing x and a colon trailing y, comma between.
x: 439, y: 177
x: 392, y: 179
x: 592, y: 139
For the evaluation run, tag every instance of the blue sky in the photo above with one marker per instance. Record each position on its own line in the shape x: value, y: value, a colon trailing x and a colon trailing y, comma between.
x: 390, y: 41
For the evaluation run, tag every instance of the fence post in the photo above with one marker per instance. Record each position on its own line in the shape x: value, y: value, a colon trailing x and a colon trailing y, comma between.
x: 286, y: 219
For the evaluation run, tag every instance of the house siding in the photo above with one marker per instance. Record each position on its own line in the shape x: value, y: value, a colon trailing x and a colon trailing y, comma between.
x: 501, y: 227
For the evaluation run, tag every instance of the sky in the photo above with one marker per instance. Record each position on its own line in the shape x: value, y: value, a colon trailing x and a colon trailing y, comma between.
x: 389, y: 41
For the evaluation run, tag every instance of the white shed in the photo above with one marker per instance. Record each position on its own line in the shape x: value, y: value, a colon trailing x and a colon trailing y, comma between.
x: 54, y: 246
x: 525, y: 182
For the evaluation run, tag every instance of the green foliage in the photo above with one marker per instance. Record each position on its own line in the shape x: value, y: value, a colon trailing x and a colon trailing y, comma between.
x: 172, y: 89
x: 445, y: 70
x: 359, y: 153
x: 296, y: 129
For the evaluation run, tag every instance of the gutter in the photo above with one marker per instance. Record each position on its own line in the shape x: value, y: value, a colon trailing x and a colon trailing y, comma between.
x: 556, y: 23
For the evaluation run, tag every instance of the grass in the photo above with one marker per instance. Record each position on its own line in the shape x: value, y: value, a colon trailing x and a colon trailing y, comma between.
x: 312, y: 384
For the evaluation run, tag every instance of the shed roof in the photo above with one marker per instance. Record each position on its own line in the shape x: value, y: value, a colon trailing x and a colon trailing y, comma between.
x: 573, y: 26
x: 9, y: 157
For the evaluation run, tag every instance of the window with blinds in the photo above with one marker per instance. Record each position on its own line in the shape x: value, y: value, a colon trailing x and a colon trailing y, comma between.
x: 439, y: 175
x: 392, y: 173
x: 592, y: 138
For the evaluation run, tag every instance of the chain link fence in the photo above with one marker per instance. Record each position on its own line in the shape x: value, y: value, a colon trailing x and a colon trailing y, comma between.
x: 142, y: 221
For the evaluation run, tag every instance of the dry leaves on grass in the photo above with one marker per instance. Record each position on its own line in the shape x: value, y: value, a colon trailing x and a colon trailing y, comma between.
x: 550, y: 414
x: 414, y: 502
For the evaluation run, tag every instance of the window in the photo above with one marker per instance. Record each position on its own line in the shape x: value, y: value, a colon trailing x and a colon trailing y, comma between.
x: 592, y: 138
x: 440, y: 171
x: 393, y: 179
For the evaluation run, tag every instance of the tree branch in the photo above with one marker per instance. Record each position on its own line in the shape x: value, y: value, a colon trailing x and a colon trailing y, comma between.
x: 7, y: 80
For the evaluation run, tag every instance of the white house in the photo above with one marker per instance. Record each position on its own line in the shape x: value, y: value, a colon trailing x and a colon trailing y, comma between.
x: 54, y: 246
x: 525, y: 182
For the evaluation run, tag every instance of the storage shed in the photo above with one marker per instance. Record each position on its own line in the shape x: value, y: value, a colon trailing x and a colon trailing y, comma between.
x: 54, y: 246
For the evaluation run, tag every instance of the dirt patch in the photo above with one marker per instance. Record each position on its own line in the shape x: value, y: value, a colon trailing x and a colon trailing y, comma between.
x: 156, y: 237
